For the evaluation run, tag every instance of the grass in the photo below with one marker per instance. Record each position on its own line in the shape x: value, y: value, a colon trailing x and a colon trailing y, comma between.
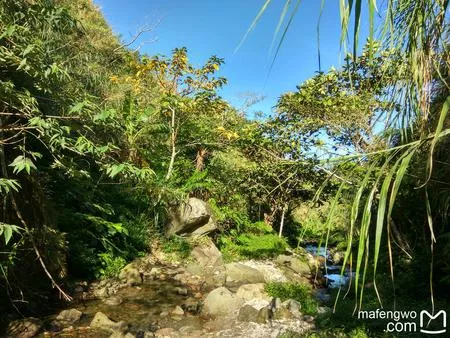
x: 296, y: 291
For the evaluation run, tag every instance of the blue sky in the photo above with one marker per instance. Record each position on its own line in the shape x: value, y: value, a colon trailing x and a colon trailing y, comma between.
x: 215, y: 27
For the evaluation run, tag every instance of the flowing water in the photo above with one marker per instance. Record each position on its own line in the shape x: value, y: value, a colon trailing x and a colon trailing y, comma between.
x: 332, y: 271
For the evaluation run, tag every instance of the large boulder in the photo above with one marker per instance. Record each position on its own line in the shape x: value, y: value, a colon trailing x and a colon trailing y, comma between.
x: 206, y: 261
x: 194, y: 218
x: 221, y: 301
x: 296, y: 264
x: 238, y: 274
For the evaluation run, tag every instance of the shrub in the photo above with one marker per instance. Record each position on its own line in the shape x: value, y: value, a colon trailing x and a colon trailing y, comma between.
x: 111, y: 265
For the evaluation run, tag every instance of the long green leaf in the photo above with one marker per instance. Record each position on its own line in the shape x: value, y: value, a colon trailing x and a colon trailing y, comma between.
x: 437, y: 132
x: 280, y: 22
x: 284, y: 33
x: 356, y: 24
x: 253, y: 25
x: 353, y: 219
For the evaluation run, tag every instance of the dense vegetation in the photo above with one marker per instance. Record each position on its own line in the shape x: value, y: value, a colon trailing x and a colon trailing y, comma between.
x: 98, y: 142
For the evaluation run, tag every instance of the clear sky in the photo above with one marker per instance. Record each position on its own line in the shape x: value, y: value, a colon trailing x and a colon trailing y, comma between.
x: 215, y: 27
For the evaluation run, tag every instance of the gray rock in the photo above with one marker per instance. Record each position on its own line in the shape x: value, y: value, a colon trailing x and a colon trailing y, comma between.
x: 294, y: 307
x: 131, y: 275
x: 194, y: 218
x: 238, y: 274
x: 101, y: 321
x: 24, y: 328
x: 113, y: 301
x: 294, y: 263
x: 221, y: 301
x: 248, y: 313
x: 101, y: 292
x: 67, y: 317
x: 206, y: 261
x: 282, y: 313
x: 206, y: 254
x: 192, y: 306
x: 252, y: 291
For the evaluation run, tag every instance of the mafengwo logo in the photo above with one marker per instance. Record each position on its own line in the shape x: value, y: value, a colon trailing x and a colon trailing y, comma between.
x: 426, y: 318
x: 434, y: 323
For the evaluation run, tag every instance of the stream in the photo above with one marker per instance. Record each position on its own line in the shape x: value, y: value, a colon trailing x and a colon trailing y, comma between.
x: 332, y: 271
x: 171, y: 305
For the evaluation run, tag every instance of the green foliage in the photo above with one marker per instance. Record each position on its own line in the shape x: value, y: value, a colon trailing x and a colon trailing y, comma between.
x: 312, y: 223
x: 111, y: 265
x: 7, y: 231
x: 248, y: 245
x: 300, y: 292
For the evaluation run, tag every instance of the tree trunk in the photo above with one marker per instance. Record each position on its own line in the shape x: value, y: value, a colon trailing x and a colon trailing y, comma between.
x: 173, y: 138
x: 283, y: 214
x: 200, y: 159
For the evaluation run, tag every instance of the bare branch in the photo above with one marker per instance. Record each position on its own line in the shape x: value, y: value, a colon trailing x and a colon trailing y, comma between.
x: 141, y: 31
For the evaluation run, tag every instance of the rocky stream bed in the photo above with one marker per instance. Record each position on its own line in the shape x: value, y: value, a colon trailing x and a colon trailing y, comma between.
x: 202, y: 296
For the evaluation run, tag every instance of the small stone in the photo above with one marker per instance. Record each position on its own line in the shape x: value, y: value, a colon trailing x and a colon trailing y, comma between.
x: 191, y: 305
x: 178, y: 311
x: 164, y: 314
x: 323, y: 309
x: 198, y: 295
